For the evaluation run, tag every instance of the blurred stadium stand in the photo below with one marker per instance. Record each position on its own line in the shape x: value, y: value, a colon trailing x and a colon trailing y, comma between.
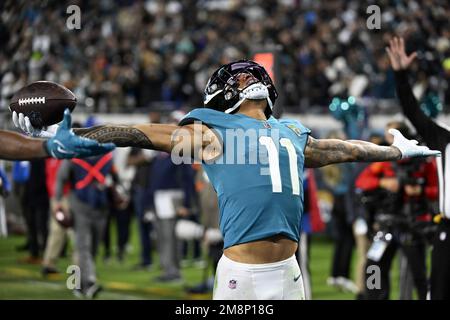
x: 136, y: 56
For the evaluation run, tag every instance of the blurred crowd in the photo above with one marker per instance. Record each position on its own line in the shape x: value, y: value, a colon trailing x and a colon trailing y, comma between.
x: 159, y: 54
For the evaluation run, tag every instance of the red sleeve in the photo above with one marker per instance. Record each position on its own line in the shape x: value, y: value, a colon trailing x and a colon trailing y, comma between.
x: 317, y: 224
x: 432, y: 186
x: 49, y: 172
x: 369, y: 178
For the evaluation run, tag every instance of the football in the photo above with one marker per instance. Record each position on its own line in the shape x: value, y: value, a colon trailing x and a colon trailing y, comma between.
x: 43, y: 102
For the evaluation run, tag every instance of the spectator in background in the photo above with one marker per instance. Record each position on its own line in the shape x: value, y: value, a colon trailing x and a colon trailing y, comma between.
x: 60, y: 227
x: 361, y: 230
x: 337, y: 179
x: 119, y: 209
x: 20, y: 175
x: 311, y: 222
x: 89, y: 204
x: 36, y: 210
x: 58, y: 233
x: 172, y: 188
x: 5, y: 190
x: 141, y: 160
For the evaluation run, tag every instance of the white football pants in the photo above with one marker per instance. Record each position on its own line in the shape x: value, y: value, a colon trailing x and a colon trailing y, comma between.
x: 280, y: 280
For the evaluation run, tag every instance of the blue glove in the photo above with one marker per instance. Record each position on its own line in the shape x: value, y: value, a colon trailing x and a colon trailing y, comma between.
x: 66, y: 145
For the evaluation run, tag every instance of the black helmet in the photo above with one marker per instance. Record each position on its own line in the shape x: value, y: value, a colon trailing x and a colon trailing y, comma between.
x: 222, y: 93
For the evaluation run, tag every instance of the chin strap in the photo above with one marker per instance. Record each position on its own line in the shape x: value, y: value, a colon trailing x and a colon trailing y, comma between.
x: 256, y: 91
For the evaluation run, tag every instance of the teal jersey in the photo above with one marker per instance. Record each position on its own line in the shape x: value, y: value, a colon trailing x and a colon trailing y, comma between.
x: 258, y: 177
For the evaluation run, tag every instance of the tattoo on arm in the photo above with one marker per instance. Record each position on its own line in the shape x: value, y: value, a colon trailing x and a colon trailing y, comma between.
x: 321, y: 152
x: 121, y: 136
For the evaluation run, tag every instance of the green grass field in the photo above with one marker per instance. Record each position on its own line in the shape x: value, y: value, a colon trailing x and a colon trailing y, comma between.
x: 23, y: 281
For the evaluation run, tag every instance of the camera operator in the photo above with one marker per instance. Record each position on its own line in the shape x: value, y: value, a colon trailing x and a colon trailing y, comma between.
x: 398, y: 197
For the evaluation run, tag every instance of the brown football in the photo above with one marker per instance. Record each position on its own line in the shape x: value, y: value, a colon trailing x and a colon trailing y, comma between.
x: 43, y: 102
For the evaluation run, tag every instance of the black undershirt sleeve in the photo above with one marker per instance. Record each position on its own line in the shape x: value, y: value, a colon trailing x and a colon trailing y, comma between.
x: 425, y: 126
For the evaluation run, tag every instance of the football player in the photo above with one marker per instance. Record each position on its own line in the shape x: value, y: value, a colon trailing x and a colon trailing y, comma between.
x: 260, y: 201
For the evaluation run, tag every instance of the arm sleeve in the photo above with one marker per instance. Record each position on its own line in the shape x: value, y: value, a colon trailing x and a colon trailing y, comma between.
x: 61, y: 178
x: 426, y: 127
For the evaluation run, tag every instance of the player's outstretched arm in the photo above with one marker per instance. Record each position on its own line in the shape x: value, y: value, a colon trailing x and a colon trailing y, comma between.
x: 322, y: 152
x: 198, y: 140
x: 14, y: 146
x: 148, y: 136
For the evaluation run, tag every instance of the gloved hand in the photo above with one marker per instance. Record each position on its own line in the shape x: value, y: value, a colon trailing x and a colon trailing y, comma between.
x: 23, y: 122
x: 65, y: 144
x: 410, y: 148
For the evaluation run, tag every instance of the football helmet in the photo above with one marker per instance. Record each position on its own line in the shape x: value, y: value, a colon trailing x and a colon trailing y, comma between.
x: 223, y: 91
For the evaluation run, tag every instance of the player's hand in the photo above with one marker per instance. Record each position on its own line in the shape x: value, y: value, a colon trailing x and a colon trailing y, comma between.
x: 397, y: 55
x: 23, y: 122
x: 410, y: 148
x: 66, y: 145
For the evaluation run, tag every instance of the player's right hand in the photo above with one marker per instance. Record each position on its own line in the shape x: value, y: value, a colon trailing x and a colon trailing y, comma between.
x: 397, y: 55
x: 66, y: 144
x: 23, y: 122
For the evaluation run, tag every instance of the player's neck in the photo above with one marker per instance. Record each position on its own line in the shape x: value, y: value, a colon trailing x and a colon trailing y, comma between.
x: 254, y: 109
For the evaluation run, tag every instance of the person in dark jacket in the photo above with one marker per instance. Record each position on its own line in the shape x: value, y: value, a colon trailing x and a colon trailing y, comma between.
x: 36, y: 210
x: 172, y: 187
x: 88, y: 203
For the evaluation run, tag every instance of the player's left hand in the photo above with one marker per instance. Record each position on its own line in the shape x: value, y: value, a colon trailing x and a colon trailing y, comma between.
x: 66, y: 145
x: 410, y: 148
x: 23, y: 122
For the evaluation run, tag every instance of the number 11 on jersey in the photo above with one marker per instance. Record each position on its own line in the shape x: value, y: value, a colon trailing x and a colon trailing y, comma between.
x: 274, y: 163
